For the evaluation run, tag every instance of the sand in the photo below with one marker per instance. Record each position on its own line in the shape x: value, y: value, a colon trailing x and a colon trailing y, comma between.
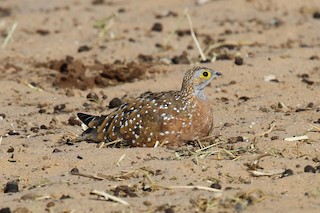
x: 62, y: 51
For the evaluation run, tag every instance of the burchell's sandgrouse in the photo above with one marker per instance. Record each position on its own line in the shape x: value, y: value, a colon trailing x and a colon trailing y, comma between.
x: 157, y: 119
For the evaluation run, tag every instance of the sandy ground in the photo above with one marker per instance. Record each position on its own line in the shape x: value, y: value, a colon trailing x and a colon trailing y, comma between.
x: 60, y: 51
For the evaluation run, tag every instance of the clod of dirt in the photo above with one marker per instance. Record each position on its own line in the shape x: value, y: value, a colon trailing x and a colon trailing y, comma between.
x: 167, y: 13
x: 145, y: 58
x: 124, y: 191
x: 238, y: 61
x: 169, y: 210
x: 71, y: 74
x: 182, y: 33
x: 41, y: 111
x: 124, y: 72
x: 286, y: 173
x: 69, y: 93
x: 97, y: 2
x: 309, y: 82
x: 43, y: 32
x: 50, y: 204
x: 65, y: 197
x: 157, y: 27
x: 22, y: 210
x: 115, y: 103
x: 74, y: 121
x: 181, y: 59
x: 5, y: 210
x: 59, y: 108
x: 264, y: 109
x: 274, y: 137
x: 235, y: 139
x: 11, y: 187
x: 43, y: 126
x: 93, y: 97
x: 84, y: 48
x: 10, y: 149
x: 244, y: 98
x: 56, y: 150
x: 310, y: 169
x: 316, y: 15
x: 34, y: 129
x: 4, y: 12
x: 314, y: 57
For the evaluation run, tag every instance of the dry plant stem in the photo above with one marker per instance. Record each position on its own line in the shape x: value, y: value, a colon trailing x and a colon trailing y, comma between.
x: 297, y: 138
x: 313, y: 127
x: 203, y: 57
x: 110, y: 197
x: 9, y: 36
x: 154, y: 184
x: 100, y: 145
x: 94, y: 176
x: 257, y: 173
x: 120, y: 159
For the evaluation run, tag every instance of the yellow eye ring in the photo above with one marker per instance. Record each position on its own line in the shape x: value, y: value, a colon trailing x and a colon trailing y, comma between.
x: 205, y: 75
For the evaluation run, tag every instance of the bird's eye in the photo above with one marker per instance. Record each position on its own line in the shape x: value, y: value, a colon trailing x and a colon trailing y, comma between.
x: 205, y: 75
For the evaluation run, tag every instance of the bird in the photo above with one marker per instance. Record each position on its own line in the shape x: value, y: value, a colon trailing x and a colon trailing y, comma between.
x: 169, y: 118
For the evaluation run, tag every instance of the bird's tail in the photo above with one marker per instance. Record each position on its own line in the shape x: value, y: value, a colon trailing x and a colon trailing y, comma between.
x: 94, y: 132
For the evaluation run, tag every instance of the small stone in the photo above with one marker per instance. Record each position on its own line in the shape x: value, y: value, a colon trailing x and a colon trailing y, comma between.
x: 238, y: 61
x: 274, y: 137
x: 286, y: 173
x: 79, y: 157
x: 310, y: 169
x: 11, y: 187
x: 75, y: 171
x: 317, y: 169
x: 2, y: 115
x: 13, y: 132
x: 216, y: 186
x: 314, y: 57
x: 5, y: 210
x: 114, y: 103
x: 316, y: 15
x: 169, y: 210
x: 43, y: 126
x: 157, y: 27
x: 65, y: 197
x: 56, y: 150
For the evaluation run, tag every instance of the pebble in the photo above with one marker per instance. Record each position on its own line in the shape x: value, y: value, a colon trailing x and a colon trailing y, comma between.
x: 114, y: 103
x: 11, y: 187
x: 310, y: 169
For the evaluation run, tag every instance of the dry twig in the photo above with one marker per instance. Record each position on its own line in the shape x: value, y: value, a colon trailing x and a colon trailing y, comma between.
x: 109, y: 197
